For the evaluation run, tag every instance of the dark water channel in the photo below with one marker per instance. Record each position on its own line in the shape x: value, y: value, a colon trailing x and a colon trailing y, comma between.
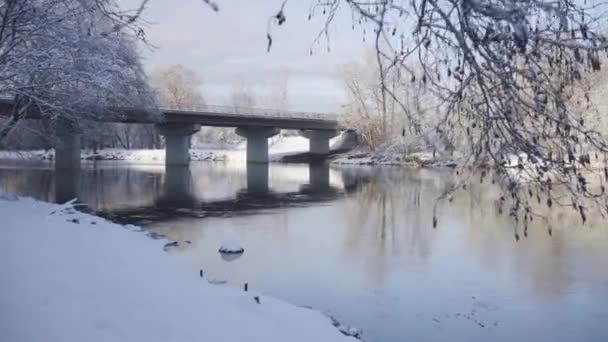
x: 358, y: 243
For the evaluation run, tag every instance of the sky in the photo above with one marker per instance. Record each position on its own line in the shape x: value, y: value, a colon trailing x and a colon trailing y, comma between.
x: 227, y: 49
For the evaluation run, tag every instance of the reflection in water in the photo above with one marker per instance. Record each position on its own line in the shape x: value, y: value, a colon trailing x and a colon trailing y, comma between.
x: 177, y: 191
x: 359, y: 243
x: 318, y: 176
x: 257, y: 178
x: 66, y: 185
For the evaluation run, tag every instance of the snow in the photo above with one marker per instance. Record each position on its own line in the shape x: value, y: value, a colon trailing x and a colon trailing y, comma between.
x: 231, y: 247
x: 71, y: 282
x: 346, y: 329
x: 280, y: 145
x: 208, y: 152
x: 415, y: 159
x: 133, y: 156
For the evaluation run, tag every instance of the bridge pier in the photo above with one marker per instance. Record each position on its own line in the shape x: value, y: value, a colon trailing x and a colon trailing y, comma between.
x: 257, y: 142
x: 177, y: 142
x: 318, y: 140
x: 67, y: 145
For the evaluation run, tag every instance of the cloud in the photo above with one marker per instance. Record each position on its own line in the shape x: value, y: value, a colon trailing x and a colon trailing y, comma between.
x: 229, y: 46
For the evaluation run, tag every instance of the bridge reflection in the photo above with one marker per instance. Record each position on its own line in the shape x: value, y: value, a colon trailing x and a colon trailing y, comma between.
x: 178, y: 197
x: 67, y: 183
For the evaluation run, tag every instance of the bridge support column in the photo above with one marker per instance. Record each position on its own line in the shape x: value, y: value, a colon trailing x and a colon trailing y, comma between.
x: 177, y: 142
x: 67, y: 145
x: 318, y: 141
x: 257, y: 142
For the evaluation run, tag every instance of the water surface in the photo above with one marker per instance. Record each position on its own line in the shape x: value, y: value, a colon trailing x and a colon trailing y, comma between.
x: 358, y: 243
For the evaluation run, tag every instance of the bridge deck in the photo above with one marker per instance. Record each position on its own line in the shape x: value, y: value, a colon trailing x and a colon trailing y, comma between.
x: 206, y: 115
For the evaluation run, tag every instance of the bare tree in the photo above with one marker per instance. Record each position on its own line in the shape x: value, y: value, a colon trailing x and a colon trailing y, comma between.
x: 242, y: 95
x: 278, y: 90
x: 381, y: 125
x: 508, y: 73
x: 178, y: 87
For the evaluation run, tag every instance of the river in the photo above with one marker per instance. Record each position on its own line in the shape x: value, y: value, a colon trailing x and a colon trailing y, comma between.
x: 358, y: 243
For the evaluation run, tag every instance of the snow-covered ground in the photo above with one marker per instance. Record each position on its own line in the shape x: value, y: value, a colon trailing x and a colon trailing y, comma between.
x: 69, y: 276
x: 424, y: 159
x: 278, y: 146
x: 134, y: 156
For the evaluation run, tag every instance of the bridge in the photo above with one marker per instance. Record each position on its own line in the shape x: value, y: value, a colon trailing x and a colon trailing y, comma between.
x: 177, y: 125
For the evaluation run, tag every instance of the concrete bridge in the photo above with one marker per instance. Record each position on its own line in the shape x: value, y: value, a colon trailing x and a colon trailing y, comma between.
x: 178, y: 124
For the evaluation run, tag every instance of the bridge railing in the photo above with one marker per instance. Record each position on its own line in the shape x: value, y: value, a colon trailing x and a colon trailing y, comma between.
x: 232, y: 111
x: 250, y: 112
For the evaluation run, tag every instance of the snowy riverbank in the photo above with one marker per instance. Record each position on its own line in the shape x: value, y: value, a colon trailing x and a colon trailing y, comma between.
x: 69, y: 276
x: 417, y: 159
x: 134, y: 156
x: 279, y: 146
x: 280, y: 149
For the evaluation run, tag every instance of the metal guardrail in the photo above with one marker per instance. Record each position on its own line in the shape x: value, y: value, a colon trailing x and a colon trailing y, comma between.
x: 251, y: 112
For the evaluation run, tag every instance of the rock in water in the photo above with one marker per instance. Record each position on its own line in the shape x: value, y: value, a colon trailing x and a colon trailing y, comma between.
x: 231, y: 247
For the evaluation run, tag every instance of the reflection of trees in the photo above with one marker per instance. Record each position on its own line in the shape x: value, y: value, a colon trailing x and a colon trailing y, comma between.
x: 391, y: 214
x: 100, y: 188
x: 550, y: 263
x: 36, y: 183
x: 217, y: 180
x: 104, y: 188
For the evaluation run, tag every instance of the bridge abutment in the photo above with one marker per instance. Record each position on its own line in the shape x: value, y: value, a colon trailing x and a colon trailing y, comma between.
x: 67, y: 145
x: 318, y: 140
x: 177, y: 142
x: 257, y: 142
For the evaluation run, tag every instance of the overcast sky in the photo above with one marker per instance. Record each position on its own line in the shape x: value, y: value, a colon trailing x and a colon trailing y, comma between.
x: 229, y: 47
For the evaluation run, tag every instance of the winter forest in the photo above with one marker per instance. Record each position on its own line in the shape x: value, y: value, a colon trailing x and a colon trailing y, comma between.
x: 458, y: 142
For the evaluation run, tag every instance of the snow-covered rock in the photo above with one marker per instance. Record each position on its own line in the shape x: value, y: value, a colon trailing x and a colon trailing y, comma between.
x: 70, y: 282
x: 231, y: 247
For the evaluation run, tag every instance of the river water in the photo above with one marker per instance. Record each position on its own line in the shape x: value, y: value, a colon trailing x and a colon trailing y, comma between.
x: 358, y: 243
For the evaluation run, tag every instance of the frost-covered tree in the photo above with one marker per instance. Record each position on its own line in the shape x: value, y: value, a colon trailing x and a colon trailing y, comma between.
x: 69, y: 60
x: 510, y: 75
x: 177, y: 86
